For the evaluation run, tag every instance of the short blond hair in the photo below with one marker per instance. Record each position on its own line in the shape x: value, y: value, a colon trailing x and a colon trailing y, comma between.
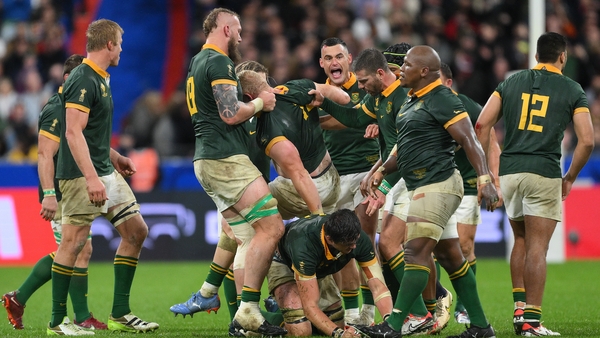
x: 252, y: 82
x: 100, y: 32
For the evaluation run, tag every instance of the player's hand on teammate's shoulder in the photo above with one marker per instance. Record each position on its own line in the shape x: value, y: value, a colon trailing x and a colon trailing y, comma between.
x: 318, y: 98
x: 268, y: 100
x: 372, y: 131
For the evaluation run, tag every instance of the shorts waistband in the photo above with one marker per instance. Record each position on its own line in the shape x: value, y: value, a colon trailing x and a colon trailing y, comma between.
x: 324, y: 170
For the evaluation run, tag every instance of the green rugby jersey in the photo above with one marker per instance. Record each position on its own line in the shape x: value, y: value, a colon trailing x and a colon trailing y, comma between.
x: 294, y: 120
x: 256, y: 153
x: 381, y: 109
x: 467, y: 172
x: 87, y: 89
x: 215, y: 139
x: 350, y: 151
x: 303, y: 248
x: 537, y: 106
x: 425, y: 148
x: 50, y: 127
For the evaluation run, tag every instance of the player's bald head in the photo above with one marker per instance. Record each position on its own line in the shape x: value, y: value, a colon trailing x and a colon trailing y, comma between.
x: 425, y: 56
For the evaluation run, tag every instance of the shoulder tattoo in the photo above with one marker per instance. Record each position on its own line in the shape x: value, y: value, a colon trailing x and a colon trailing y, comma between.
x: 226, y: 99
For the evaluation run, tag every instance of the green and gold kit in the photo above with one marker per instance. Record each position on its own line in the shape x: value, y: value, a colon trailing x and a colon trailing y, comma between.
x: 303, y: 248
x: 293, y: 119
x: 350, y: 151
x: 87, y: 89
x: 381, y: 109
x: 50, y: 127
x: 425, y: 148
x: 215, y: 139
x: 467, y: 172
x: 256, y: 153
x: 537, y: 106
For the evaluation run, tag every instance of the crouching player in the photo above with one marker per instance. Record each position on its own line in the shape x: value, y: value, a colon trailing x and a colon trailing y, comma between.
x: 300, y: 278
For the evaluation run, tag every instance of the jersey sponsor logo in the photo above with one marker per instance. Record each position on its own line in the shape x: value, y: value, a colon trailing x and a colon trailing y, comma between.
x: 253, y: 132
x: 355, y: 97
x: 457, y: 111
x: 420, y: 173
x: 81, y: 97
x: 53, y: 126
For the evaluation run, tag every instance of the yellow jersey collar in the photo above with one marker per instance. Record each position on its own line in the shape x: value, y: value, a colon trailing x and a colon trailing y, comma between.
x: 425, y: 89
x: 328, y: 255
x: 548, y: 67
x: 391, y: 88
x: 213, y: 47
x: 96, y: 68
x: 351, y: 81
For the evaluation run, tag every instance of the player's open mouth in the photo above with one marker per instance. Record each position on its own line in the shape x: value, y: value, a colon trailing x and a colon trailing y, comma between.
x: 336, y: 73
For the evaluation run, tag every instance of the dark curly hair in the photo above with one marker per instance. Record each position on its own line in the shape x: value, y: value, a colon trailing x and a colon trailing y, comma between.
x: 395, y: 54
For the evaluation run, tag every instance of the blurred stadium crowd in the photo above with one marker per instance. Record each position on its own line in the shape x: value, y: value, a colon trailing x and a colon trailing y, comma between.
x: 482, y: 41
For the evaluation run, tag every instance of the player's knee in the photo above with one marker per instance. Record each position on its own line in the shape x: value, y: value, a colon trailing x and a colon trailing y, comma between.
x: 226, y: 243
x: 293, y: 316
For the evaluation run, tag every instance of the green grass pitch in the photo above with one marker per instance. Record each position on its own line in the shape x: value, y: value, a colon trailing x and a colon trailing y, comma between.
x: 157, y: 286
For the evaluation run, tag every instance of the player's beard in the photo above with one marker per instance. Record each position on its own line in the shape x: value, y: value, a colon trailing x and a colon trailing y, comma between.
x: 233, y: 51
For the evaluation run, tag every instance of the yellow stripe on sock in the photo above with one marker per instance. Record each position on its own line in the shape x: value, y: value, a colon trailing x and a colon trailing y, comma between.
x: 249, y: 289
x: 533, y: 309
x: 416, y: 267
x: 473, y: 262
x: 349, y: 293
x: 230, y: 275
x: 126, y: 261
x: 396, y: 261
x: 518, y: 290
x: 218, y: 269
x: 62, y: 271
x: 460, y: 272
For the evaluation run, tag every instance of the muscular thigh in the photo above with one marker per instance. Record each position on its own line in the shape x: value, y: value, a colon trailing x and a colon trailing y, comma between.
x: 350, y: 195
x: 532, y: 195
x: 468, y: 212
x: 76, y: 206
x: 436, y: 202
x: 226, y: 180
x: 401, y: 201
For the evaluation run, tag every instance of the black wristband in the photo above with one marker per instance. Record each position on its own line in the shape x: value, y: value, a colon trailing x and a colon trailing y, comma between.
x: 338, y: 332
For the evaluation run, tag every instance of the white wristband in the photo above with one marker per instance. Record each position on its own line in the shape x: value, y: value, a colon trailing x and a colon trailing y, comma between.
x: 258, y: 104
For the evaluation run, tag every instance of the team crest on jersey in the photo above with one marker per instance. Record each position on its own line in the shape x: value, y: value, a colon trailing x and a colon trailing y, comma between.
x: 420, y: 173
x: 103, y: 89
x: 419, y: 105
x: 82, y: 96
x: 53, y: 126
x: 388, y: 109
x: 376, y: 104
x: 355, y: 97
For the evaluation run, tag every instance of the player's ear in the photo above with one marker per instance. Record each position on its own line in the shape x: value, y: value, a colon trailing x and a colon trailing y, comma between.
x: 247, y: 98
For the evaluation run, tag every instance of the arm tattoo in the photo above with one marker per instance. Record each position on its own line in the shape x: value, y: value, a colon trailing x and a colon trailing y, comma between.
x: 226, y: 99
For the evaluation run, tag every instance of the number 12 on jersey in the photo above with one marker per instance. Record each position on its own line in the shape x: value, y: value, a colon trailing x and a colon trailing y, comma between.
x: 526, y: 110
